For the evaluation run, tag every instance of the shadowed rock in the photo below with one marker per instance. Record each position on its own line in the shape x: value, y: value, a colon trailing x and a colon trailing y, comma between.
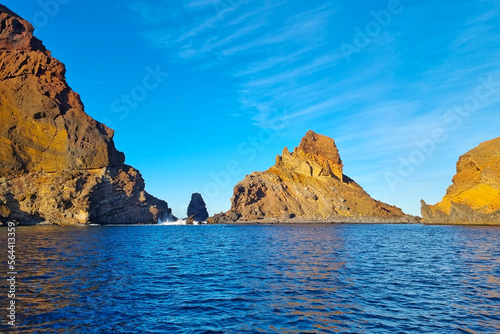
x: 197, y: 208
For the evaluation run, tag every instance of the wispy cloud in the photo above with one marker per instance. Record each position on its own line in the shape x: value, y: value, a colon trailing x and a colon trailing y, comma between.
x: 281, y: 55
x: 280, y: 48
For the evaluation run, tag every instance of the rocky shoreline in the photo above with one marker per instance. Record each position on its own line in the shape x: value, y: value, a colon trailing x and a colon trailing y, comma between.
x: 113, y: 195
x: 59, y: 165
x: 336, y: 220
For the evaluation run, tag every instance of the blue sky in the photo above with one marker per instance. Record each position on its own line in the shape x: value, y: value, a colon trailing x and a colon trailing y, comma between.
x: 202, y: 92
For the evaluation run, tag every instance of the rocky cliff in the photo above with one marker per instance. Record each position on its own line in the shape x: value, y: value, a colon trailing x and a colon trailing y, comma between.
x: 306, y: 184
x: 474, y: 196
x: 57, y: 164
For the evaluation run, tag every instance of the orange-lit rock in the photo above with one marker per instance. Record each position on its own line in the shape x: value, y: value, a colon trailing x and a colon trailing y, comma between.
x: 57, y: 164
x: 43, y: 124
x: 474, y: 196
x: 306, y: 184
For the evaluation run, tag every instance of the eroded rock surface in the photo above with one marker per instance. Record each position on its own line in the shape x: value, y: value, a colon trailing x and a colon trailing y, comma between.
x: 113, y: 195
x: 43, y: 124
x: 474, y: 196
x: 57, y: 164
x: 306, y: 184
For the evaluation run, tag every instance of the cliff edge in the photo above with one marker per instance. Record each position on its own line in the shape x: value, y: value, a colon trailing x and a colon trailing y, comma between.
x: 307, y: 184
x: 474, y: 196
x: 57, y: 164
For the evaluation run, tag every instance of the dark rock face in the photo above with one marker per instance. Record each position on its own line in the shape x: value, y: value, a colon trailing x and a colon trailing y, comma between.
x: 57, y: 164
x: 197, y: 208
x: 474, y: 196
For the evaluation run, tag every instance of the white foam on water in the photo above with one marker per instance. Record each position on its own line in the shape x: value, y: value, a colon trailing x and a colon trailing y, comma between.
x: 180, y: 222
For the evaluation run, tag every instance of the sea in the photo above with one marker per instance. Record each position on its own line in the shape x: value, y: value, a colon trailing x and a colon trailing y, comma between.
x: 253, y: 279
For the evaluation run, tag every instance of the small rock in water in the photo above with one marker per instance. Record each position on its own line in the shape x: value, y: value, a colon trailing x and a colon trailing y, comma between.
x: 197, y: 208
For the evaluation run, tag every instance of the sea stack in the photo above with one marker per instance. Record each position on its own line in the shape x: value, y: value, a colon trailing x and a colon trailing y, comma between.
x: 474, y: 196
x: 197, y: 209
x: 307, y: 184
x: 57, y: 164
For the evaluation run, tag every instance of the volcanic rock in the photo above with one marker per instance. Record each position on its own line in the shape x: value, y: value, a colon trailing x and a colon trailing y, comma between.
x: 474, y: 196
x: 57, y: 164
x: 44, y: 126
x: 197, y: 208
x: 306, y: 184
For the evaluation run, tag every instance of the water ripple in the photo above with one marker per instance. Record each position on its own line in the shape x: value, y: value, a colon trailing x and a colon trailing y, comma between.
x: 258, y: 279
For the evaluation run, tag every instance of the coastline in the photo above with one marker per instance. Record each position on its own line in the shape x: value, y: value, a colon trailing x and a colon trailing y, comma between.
x: 411, y: 220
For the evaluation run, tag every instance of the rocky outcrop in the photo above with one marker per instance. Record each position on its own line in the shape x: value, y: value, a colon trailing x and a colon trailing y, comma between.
x: 57, y: 164
x: 474, y: 196
x: 44, y: 126
x: 197, y: 209
x: 113, y: 195
x: 306, y: 184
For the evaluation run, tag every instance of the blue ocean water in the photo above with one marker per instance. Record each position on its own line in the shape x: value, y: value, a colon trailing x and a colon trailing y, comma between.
x: 256, y: 279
